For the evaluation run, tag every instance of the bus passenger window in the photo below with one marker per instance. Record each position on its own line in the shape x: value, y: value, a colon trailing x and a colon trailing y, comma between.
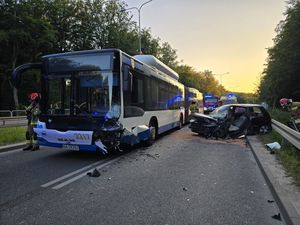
x: 133, y: 99
x: 127, y: 80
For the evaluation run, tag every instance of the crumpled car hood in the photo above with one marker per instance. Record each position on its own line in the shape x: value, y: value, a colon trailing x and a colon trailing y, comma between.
x: 200, y: 115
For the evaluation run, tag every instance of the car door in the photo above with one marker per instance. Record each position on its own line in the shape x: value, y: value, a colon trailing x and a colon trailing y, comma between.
x: 257, y: 118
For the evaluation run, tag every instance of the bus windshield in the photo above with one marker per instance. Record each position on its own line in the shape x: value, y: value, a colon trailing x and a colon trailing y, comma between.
x: 83, y: 93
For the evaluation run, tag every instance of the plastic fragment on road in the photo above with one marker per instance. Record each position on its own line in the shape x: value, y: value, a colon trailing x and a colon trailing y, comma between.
x: 101, y: 146
x: 276, y: 216
x: 95, y: 173
x: 185, y: 189
x: 274, y: 145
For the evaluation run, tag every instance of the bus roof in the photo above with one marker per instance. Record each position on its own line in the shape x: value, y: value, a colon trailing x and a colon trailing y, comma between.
x: 144, y: 67
x: 150, y: 60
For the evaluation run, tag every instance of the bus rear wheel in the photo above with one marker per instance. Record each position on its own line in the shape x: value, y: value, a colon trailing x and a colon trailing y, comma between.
x: 153, y: 134
x: 180, y: 122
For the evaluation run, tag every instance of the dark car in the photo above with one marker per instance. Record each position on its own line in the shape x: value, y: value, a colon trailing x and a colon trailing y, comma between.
x: 257, y: 119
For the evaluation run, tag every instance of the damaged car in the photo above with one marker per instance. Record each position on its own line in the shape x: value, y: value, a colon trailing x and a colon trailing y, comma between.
x: 232, y: 121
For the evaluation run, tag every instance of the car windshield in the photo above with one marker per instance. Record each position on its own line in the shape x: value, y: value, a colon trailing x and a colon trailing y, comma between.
x: 220, y: 112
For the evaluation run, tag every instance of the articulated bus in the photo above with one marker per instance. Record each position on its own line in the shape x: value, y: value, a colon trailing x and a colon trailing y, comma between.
x: 193, y: 102
x: 99, y: 100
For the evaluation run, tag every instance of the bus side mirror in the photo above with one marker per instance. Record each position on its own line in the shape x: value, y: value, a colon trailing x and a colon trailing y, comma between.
x: 128, y: 79
x: 17, y: 73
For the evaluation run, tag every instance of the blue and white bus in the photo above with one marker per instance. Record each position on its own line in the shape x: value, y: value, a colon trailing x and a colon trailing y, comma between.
x: 193, y: 102
x: 98, y: 100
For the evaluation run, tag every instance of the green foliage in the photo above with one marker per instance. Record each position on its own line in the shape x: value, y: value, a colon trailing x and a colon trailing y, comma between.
x: 280, y: 115
x: 281, y: 75
x: 32, y: 28
x: 12, y: 135
x: 247, y: 98
x: 203, y: 81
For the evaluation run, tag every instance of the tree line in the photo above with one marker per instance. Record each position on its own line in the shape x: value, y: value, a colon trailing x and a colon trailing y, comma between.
x: 32, y: 28
x: 281, y: 75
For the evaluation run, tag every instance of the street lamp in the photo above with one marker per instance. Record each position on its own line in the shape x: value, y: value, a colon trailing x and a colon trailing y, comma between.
x: 221, y: 76
x: 139, y: 11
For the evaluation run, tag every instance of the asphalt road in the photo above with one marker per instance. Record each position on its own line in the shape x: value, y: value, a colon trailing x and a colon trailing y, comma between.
x: 181, y: 179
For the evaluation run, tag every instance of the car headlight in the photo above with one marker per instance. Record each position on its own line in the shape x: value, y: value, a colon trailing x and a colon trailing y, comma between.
x: 205, y: 108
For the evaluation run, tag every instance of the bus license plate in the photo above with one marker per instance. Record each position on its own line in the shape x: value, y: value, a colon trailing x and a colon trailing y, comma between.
x: 71, y: 147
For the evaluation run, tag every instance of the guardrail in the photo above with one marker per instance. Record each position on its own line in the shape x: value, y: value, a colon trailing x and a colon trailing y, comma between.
x: 12, y: 113
x: 289, y: 134
x: 17, y: 121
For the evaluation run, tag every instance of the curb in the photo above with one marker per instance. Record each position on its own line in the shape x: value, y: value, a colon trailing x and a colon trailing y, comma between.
x: 7, y: 148
x: 280, y: 190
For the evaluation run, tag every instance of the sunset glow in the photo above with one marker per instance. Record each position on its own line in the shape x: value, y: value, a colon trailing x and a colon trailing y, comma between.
x: 221, y: 36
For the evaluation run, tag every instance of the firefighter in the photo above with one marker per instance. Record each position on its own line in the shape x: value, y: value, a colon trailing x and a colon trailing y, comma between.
x: 289, y: 105
x: 32, y: 113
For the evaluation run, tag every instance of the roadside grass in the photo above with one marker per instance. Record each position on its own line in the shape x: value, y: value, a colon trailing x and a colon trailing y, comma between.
x: 288, y: 155
x: 12, y: 135
x: 280, y: 115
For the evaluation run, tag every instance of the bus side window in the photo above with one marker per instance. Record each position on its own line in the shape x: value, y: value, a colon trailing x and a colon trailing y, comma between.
x: 133, y: 93
x: 127, y: 77
x: 138, y: 92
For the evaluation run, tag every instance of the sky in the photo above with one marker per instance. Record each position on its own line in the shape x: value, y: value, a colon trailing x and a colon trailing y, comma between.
x: 228, y: 37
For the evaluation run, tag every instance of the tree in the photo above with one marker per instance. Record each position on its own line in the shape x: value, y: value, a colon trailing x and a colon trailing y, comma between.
x: 281, y: 74
x: 203, y: 81
x: 23, y: 35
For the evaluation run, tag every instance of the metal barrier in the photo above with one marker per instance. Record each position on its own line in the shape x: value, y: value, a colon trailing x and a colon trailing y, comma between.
x: 12, y: 113
x: 289, y: 134
x: 17, y: 121
x: 5, y: 113
x: 19, y: 113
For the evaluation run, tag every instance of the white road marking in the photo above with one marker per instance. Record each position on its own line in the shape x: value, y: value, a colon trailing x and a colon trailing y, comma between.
x: 10, y: 152
x: 70, y: 174
x: 82, y: 175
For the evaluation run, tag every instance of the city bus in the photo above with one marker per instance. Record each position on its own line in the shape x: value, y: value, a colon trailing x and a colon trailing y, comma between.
x: 193, y: 102
x: 101, y: 100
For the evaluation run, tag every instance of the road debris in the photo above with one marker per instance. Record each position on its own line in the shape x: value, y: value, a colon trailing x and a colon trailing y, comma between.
x: 270, y: 201
x: 276, y: 216
x: 95, y: 173
x: 273, y: 145
x: 184, y: 188
x: 149, y: 155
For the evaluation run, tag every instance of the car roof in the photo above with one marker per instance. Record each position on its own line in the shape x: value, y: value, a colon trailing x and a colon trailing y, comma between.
x: 245, y: 105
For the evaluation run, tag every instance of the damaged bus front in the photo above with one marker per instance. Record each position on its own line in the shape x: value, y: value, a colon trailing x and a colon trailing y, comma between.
x: 80, y: 104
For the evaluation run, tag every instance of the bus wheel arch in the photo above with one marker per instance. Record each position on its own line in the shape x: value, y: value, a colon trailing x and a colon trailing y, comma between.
x: 180, y: 125
x: 153, y: 126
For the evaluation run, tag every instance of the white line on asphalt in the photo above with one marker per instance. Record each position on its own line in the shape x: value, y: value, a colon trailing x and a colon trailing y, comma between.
x: 70, y: 174
x: 10, y: 152
x: 82, y: 175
